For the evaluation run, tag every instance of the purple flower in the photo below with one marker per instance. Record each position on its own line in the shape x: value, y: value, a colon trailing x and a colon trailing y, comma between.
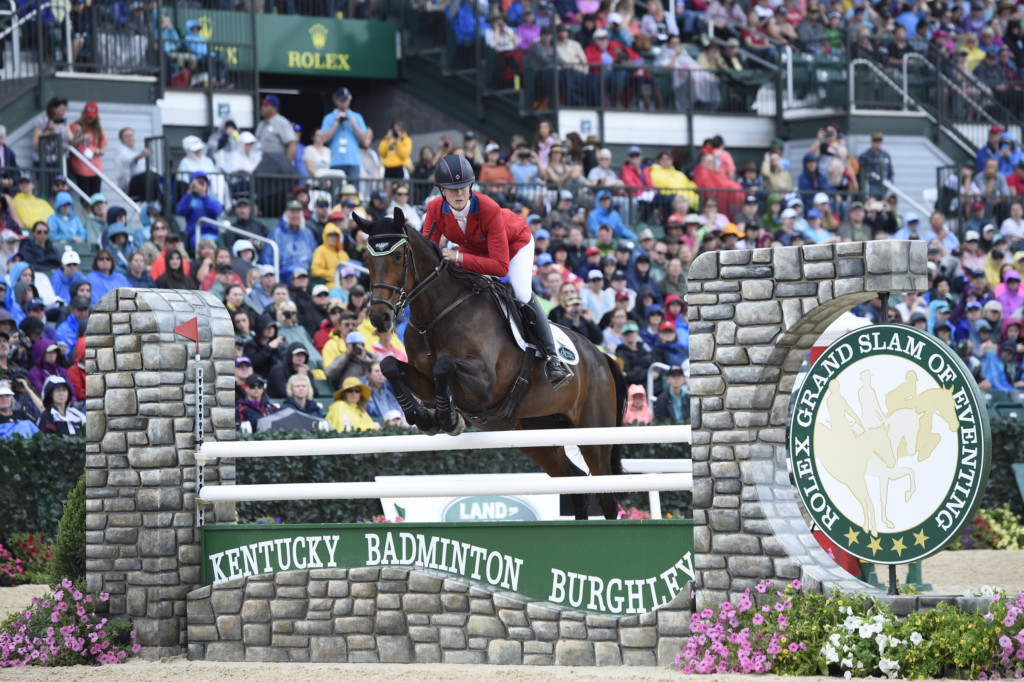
x: 794, y: 647
x: 796, y: 584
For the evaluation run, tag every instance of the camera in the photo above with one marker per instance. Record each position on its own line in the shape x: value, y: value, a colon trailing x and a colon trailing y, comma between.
x: 288, y: 314
x: 59, y: 121
x: 523, y: 155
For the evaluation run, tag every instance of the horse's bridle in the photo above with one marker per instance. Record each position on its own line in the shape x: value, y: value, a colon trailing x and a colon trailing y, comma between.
x: 386, y: 244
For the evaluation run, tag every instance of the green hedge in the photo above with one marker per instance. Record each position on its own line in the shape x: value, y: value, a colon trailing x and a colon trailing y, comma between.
x: 35, y: 477
x: 1007, y: 449
x: 366, y: 467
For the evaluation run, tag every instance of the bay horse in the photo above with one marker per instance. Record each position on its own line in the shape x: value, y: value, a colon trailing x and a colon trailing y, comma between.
x: 464, y: 362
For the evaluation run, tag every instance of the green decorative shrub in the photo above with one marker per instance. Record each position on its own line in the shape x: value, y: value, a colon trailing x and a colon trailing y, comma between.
x: 35, y: 475
x: 1007, y: 436
x: 69, y: 550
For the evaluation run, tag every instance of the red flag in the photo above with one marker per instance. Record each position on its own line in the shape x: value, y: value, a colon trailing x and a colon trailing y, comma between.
x: 190, y: 330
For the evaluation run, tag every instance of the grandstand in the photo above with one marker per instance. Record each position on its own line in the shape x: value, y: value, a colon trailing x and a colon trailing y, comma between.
x: 896, y: 106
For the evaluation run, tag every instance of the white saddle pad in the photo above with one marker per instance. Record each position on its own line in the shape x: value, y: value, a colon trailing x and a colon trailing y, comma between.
x: 566, y: 348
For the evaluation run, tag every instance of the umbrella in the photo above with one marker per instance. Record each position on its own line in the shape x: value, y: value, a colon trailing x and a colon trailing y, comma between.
x: 290, y: 419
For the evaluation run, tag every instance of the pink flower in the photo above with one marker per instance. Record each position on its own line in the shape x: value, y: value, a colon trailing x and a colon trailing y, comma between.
x: 761, y: 587
x: 796, y: 584
x: 794, y: 647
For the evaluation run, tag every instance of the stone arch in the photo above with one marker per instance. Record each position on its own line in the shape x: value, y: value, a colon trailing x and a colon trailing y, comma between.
x: 754, y: 315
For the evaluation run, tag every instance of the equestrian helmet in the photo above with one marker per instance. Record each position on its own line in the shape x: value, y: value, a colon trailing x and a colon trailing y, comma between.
x: 454, y: 172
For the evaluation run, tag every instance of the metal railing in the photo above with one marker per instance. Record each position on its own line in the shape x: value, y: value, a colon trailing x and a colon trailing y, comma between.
x: 251, y: 236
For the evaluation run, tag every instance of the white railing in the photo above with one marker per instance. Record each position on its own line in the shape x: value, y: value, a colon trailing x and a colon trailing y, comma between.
x: 679, y: 478
x: 117, y: 190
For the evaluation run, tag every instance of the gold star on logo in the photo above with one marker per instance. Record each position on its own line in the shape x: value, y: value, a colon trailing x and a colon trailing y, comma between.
x: 898, y: 546
x: 852, y: 537
x: 920, y: 538
x: 875, y: 545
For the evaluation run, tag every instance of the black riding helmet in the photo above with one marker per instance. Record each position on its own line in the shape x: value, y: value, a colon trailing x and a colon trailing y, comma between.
x: 454, y: 172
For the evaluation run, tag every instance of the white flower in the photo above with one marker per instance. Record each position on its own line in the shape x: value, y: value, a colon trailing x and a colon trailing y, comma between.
x: 834, y: 639
x: 882, y: 641
x: 894, y: 641
x: 890, y: 668
x: 847, y: 674
x: 830, y: 653
x: 846, y: 663
x: 916, y: 638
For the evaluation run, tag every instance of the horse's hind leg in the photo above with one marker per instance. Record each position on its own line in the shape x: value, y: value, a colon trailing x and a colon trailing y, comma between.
x: 599, y: 461
x: 399, y: 374
x: 555, y: 464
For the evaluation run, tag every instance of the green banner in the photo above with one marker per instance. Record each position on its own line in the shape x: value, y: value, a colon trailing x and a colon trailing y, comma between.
x: 316, y: 46
x: 310, y: 46
x: 610, y: 567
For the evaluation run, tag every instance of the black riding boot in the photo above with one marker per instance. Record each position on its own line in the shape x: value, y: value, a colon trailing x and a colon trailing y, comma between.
x: 558, y: 374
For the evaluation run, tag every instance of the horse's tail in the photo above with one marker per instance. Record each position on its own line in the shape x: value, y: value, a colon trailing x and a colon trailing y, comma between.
x: 620, y: 406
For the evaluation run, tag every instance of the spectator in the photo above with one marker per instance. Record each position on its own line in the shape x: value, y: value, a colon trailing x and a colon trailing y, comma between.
x: 1011, y: 299
x: 35, y: 307
x: 991, y: 148
x: 213, y: 62
x: 353, y: 361
x: 295, y: 241
x: 244, y: 159
x: 27, y: 207
x: 13, y: 423
x: 51, y: 124
x: 614, y: 333
x: 673, y: 405
x: 255, y: 406
x: 64, y: 225
x: 288, y: 327
x: 137, y: 275
x: 59, y: 416
x: 348, y: 411
x: 294, y: 362
x: 382, y: 396
x: 117, y: 244
x: 103, y: 277
x: 1013, y: 227
x: 174, y: 276
x: 726, y: 17
x: 637, y: 412
x: 395, y: 151
x: 876, y: 166
x: 44, y: 359
x: 38, y: 251
x: 96, y: 218
x: 129, y: 164
x: 300, y: 396
x: 88, y: 138
x: 671, y: 181
x: 345, y: 132
x: 198, y: 203
x: 68, y: 274
x: 8, y: 165
x: 812, y: 179
x: 267, y: 346
x: 604, y: 214
x: 73, y: 326
x: 708, y: 177
x: 992, y: 186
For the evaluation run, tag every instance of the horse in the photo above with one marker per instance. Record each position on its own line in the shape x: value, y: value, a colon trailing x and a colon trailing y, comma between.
x: 464, y: 361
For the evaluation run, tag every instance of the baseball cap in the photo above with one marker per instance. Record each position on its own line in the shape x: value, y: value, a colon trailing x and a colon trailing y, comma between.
x: 995, y: 130
x: 37, y: 302
x: 97, y: 198
x: 634, y: 150
x: 379, y: 195
x: 622, y: 296
x: 614, y: 18
x: 912, y: 217
x: 348, y: 272
x: 301, y: 349
x: 357, y: 290
x: 646, y: 234
x: 618, y: 274
x: 266, y: 270
x: 813, y: 213
x: 666, y: 325
x: 592, y: 250
x: 532, y: 217
x: 224, y: 267
x: 972, y: 305
x: 629, y: 326
x: 993, y: 305
x: 91, y: 110
x: 820, y: 198
x: 5, y: 388
x: 545, y: 259
x: 242, y: 245
x: 565, y: 195
x: 542, y: 234
x: 343, y: 93
x: 594, y: 274
x: 675, y: 369
x: 246, y: 137
x: 751, y: 199
x: 320, y: 289
x: 348, y: 203
x: 856, y: 205
x: 13, y: 236
x: 300, y: 272
x: 254, y: 380
x: 194, y: 145
x: 242, y: 360
x: 978, y: 206
x: 272, y: 100
x: 600, y: 33
x: 988, y: 228
x: 293, y: 205
x: 70, y: 256
x: 788, y: 213
x: 354, y: 337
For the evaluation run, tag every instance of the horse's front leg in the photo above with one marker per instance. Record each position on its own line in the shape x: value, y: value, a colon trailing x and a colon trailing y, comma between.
x: 444, y: 405
x: 400, y: 374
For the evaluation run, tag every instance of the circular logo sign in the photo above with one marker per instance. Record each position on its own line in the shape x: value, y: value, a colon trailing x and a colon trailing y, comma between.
x: 890, y: 444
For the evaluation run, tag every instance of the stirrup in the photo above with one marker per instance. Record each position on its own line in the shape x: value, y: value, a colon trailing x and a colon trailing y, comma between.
x: 566, y: 378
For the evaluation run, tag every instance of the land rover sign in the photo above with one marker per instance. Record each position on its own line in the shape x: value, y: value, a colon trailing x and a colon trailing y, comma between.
x: 890, y: 444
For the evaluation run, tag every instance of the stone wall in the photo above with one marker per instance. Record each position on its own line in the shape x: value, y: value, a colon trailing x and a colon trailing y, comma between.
x: 394, y: 615
x: 142, y: 544
x: 754, y: 315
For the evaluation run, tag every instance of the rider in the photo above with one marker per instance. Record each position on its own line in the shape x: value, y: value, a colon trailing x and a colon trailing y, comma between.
x: 489, y: 240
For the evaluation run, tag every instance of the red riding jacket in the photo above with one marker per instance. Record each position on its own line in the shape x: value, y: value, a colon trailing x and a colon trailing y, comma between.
x: 493, y: 234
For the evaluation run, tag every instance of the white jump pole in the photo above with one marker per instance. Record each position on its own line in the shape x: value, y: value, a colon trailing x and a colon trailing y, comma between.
x: 467, y: 441
x: 499, y: 486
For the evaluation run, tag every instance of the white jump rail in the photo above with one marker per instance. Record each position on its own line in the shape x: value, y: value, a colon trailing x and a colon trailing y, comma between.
x: 419, y: 443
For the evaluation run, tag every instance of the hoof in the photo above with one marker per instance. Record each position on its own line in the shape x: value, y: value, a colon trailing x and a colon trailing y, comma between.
x: 460, y: 426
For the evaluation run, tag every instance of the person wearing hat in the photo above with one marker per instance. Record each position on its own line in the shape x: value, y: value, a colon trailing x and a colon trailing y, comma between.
x: 348, y: 411
x: 295, y: 361
x: 1011, y: 298
x: 275, y: 135
x: 628, y: 64
x: 378, y: 206
x: 67, y: 274
x: 876, y: 165
x: 244, y: 158
x: 329, y: 255
x: 26, y: 207
x: 492, y: 241
x: 344, y: 134
x: 992, y: 185
x: 197, y: 203
x: 634, y: 353
x: 45, y: 363
x: 353, y: 362
x: 13, y: 422
x: 65, y: 225
x: 854, y: 228
x: 88, y: 138
x: 96, y: 218
x: 295, y: 241
x: 58, y: 416
x: 255, y: 405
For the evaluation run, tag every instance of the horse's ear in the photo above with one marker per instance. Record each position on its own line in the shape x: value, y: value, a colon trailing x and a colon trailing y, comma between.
x: 399, y: 218
x: 362, y: 222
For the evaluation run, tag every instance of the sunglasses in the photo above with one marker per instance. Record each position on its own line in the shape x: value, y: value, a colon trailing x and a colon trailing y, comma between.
x: 102, y: 258
x: 401, y: 194
x: 41, y: 231
x: 353, y: 390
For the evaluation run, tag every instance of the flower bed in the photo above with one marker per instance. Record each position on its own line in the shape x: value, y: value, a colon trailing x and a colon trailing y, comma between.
x: 792, y: 632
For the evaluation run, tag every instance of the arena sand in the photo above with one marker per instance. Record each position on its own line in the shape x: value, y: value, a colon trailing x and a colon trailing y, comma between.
x: 949, y: 573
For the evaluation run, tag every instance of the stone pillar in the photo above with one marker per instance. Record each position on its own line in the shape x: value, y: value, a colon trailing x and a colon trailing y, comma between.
x: 754, y: 315
x: 142, y: 544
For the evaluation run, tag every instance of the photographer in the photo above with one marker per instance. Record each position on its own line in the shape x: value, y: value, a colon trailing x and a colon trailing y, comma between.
x: 345, y: 132
x: 53, y: 121
x: 580, y: 320
x: 26, y: 400
x: 288, y: 326
x: 353, y: 362
x: 395, y: 150
x: 197, y: 203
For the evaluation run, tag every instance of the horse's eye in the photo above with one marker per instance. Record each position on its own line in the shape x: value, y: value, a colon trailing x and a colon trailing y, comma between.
x: 397, y: 257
